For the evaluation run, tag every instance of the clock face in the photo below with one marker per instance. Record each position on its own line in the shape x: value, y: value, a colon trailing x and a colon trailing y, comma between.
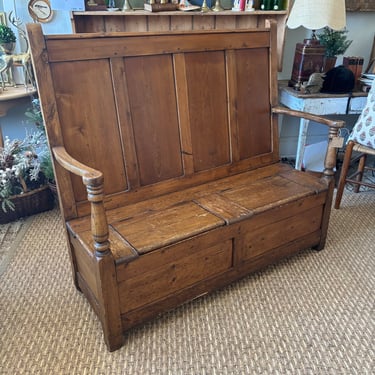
x: 40, y: 10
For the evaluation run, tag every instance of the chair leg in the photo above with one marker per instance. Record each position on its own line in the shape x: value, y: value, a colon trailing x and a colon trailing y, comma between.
x: 344, y: 173
x: 360, y: 170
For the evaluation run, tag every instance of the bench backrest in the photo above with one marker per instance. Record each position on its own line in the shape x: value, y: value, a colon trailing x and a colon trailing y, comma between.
x: 157, y: 112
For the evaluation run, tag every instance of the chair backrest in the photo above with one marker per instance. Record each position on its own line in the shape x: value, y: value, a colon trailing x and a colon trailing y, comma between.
x: 157, y: 112
x: 364, y: 129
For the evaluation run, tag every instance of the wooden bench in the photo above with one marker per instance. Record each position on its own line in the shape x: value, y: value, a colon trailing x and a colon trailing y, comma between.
x: 175, y: 138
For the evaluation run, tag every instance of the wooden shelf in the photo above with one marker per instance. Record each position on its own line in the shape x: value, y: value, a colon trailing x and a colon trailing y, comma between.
x: 144, y: 21
x: 11, y: 97
x: 177, y: 13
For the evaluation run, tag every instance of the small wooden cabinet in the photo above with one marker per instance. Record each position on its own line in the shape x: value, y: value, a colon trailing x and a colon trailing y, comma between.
x: 143, y: 21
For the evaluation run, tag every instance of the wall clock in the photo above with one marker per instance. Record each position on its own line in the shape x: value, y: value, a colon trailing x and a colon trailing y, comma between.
x: 40, y: 10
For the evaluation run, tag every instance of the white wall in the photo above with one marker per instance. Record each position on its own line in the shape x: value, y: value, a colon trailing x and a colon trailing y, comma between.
x: 59, y: 24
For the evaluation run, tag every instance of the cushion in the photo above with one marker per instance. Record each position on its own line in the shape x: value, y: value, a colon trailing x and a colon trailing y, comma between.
x: 364, y: 129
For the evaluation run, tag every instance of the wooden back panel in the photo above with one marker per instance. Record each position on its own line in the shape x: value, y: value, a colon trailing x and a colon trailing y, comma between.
x: 157, y: 112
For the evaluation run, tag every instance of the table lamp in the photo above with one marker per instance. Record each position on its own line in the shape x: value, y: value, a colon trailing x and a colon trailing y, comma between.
x: 313, y: 15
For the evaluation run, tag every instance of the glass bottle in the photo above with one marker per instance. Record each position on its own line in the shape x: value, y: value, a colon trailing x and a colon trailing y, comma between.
x: 266, y: 4
x: 278, y: 4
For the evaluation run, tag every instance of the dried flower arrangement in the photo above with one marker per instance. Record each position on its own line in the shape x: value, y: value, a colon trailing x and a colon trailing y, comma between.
x: 20, y: 168
x: 25, y: 165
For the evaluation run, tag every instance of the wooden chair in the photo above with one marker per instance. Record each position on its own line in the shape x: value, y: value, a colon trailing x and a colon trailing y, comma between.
x: 361, y: 140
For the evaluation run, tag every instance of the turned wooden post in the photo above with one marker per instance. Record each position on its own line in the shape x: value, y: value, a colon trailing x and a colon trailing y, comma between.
x: 110, y: 316
x: 93, y: 180
x: 331, y: 155
x: 328, y: 176
x: 99, y: 225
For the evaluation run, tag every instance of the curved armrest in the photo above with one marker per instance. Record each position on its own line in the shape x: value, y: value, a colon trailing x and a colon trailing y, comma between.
x: 93, y: 180
x: 89, y: 175
x: 334, y: 126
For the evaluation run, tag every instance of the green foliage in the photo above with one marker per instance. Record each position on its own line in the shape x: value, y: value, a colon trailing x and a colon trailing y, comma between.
x: 7, y: 35
x: 47, y: 168
x: 35, y: 115
x: 5, y: 193
x: 335, y: 41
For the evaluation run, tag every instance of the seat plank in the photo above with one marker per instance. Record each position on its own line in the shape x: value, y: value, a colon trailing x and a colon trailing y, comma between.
x: 154, y: 230
x: 174, y: 217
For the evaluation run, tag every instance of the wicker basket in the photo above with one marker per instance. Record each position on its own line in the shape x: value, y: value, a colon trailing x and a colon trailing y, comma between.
x: 27, y: 204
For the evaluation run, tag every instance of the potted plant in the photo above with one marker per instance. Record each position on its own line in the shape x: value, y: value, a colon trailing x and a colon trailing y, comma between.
x: 23, y: 187
x: 26, y: 172
x: 335, y: 43
x: 7, y: 38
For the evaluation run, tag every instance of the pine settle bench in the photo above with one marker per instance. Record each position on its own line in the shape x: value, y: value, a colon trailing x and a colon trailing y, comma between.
x: 166, y: 158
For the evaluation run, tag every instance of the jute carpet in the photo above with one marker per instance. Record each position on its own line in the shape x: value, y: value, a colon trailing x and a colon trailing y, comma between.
x: 311, y: 314
x: 10, y: 236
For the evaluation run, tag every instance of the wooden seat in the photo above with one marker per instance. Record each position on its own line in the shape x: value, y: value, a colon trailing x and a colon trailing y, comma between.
x: 165, y: 149
x: 194, y: 211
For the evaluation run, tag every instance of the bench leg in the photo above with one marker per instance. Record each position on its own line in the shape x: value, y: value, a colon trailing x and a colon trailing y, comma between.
x: 110, y: 314
x: 326, y: 216
x: 73, y: 263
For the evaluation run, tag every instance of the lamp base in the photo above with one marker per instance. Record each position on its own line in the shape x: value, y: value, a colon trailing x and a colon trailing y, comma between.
x: 308, y: 59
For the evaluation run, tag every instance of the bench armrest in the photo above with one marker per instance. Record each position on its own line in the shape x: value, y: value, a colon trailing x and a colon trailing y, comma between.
x: 89, y: 175
x: 93, y: 180
x: 334, y: 126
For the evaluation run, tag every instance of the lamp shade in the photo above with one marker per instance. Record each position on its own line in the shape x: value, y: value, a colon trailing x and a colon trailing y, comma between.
x: 316, y: 14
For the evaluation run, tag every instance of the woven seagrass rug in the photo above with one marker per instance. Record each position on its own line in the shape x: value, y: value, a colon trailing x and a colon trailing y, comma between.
x: 310, y: 314
x: 10, y: 236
